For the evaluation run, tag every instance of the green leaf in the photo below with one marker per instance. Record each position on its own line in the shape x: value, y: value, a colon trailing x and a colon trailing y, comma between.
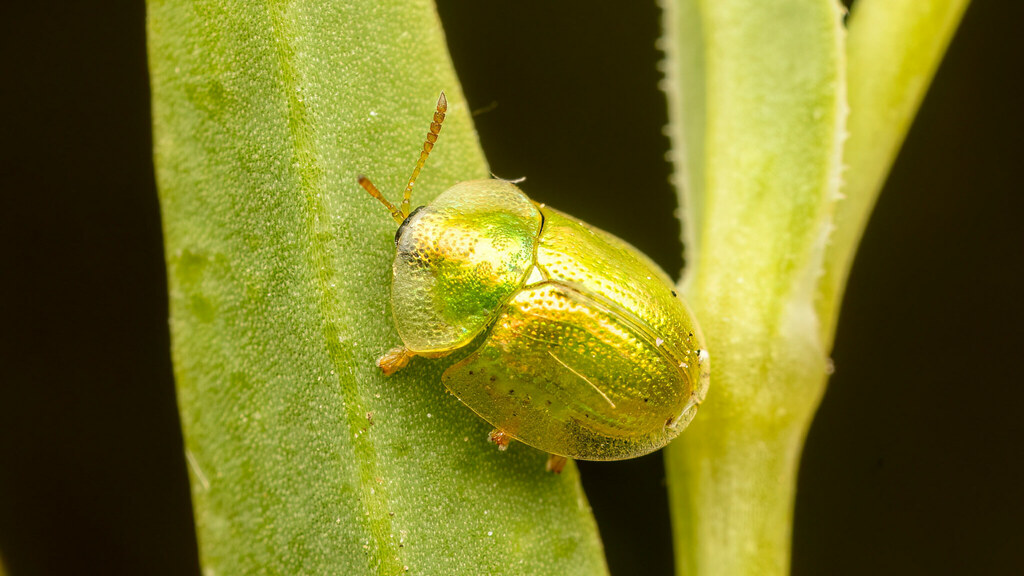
x: 893, y: 50
x: 304, y: 459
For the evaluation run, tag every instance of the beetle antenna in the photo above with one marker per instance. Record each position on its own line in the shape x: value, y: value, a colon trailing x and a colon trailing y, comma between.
x: 369, y: 187
x: 428, y: 145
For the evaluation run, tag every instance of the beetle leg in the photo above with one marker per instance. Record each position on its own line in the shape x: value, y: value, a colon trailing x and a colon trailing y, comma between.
x: 500, y: 438
x: 394, y: 360
x: 556, y: 463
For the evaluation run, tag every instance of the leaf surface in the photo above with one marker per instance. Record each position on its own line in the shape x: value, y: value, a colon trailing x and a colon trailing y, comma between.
x: 303, y: 458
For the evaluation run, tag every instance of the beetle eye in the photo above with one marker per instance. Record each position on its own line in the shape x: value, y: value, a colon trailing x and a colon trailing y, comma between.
x: 398, y: 233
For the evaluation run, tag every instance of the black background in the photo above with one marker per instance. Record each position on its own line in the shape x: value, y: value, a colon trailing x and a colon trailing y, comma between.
x: 913, y: 465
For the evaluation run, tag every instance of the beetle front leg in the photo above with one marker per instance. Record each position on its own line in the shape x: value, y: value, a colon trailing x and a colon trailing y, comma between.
x: 394, y: 360
x: 556, y: 463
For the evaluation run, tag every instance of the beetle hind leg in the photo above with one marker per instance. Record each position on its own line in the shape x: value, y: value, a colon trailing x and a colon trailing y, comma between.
x: 556, y: 463
x: 499, y: 438
x: 394, y: 360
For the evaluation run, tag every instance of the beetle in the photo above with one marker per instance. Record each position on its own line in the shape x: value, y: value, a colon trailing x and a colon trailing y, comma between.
x: 587, y: 351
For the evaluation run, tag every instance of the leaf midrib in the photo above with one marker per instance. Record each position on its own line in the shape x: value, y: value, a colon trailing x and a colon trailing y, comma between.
x: 306, y: 164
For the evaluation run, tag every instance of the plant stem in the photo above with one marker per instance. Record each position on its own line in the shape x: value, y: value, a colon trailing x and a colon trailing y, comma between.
x: 759, y: 122
x: 732, y: 474
x: 757, y: 95
x: 743, y: 500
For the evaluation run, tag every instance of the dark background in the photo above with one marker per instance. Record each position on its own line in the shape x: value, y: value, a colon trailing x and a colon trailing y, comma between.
x: 913, y: 465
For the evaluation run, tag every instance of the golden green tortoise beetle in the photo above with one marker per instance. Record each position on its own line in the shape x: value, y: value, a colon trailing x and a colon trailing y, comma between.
x: 588, y: 351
